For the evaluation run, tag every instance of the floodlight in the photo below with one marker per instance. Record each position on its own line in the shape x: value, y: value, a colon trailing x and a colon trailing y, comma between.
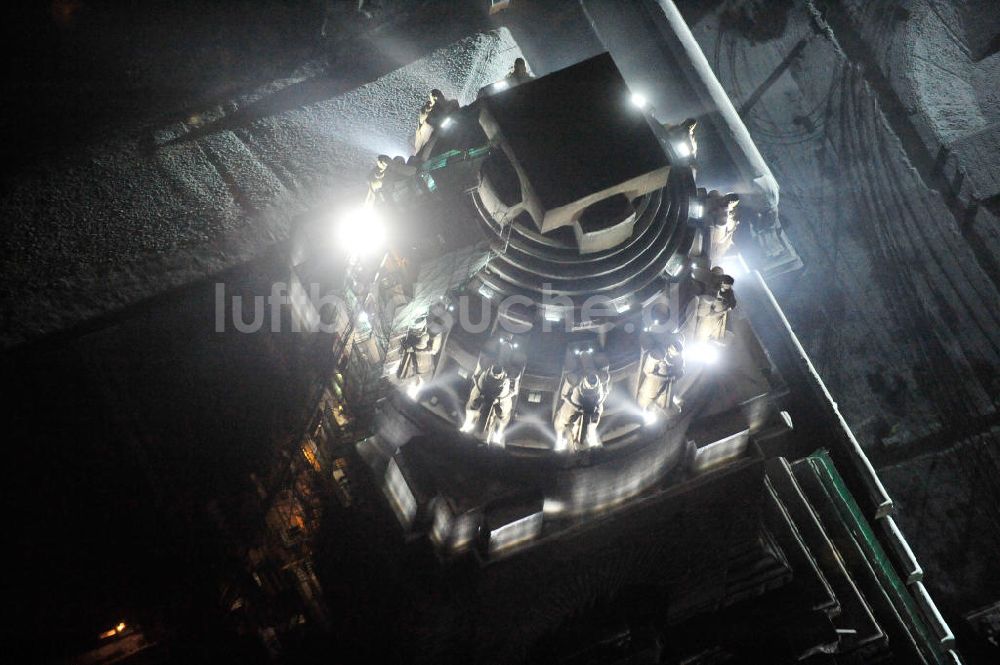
x: 469, y: 423
x: 360, y: 232
x: 639, y: 100
x: 734, y: 265
x: 702, y: 352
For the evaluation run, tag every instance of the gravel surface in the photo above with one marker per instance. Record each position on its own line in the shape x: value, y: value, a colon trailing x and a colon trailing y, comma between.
x: 158, y: 208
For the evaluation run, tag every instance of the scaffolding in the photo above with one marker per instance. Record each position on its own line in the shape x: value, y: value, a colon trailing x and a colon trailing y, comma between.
x: 310, y: 471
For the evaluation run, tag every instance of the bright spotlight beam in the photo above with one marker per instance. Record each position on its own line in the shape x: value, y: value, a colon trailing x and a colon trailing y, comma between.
x: 467, y: 425
x: 360, y: 232
x: 701, y: 352
x: 639, y: 100
x: 734, y: 265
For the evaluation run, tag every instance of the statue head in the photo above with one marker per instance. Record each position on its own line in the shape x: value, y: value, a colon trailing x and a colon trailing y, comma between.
x: 726, y: 284
x: 418, y: 327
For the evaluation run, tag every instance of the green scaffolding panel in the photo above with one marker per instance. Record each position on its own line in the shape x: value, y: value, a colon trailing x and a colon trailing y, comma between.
x: 862, y: 532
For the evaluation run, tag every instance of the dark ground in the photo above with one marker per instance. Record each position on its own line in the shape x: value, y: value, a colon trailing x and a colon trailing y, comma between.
x: 124, y: 423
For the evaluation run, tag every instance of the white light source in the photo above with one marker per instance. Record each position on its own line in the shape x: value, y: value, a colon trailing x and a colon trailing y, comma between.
x: 468, y: 424
x: 649, y: 418
x: 501, y: 85
x: 734, y: 265
x: 413, y: 391
x: 363, y: 317
x: 447, y: 122
x: 683, y: 148
x: 361, y: 232
x: 701, y: 352
x: 639, y: 100
x: 695, y: 210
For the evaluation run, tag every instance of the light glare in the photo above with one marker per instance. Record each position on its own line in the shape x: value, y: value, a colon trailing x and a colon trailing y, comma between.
x: 702, y: 352
x: 468, y: 424
x: 639, y: 100
x: 734, y: 265
x: 360, y: 232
